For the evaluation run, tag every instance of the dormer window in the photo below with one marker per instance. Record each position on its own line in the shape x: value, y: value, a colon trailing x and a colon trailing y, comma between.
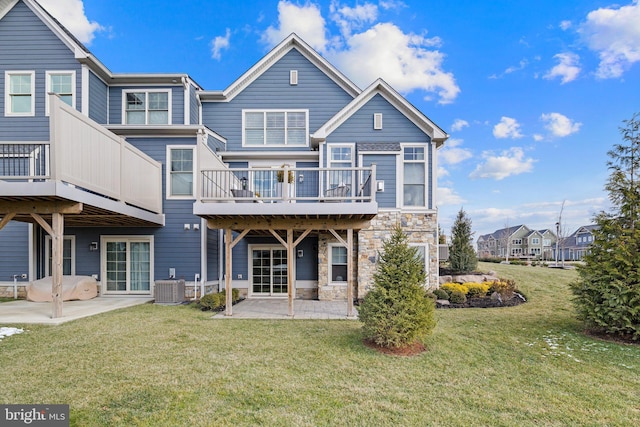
x: 147, y: 107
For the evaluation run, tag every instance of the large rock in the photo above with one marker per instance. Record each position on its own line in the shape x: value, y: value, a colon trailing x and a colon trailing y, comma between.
x: 464, y: 278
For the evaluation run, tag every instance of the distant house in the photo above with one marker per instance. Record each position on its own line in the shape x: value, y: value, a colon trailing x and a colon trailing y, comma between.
x: 577, y: 245
x: 518, y: 241
x: 282, y: 185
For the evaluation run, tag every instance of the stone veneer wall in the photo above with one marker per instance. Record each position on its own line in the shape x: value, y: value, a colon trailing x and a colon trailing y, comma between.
x: 419, y: 227
x: 326, y: 290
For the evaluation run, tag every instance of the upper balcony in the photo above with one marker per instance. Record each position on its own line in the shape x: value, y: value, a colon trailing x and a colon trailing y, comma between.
x: 105, y: 180
x: 229, y: 198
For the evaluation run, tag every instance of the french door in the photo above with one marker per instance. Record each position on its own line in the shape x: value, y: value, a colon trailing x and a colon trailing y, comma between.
x: 269, y: 271
x: 127, y: 264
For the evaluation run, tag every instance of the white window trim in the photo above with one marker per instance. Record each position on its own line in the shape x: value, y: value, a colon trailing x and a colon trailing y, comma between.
x: 103, y: 262
x: 146, y: 116
x: 47, y: 243
x: 7, y: 93
x: 264, y: 142
x: 330, y: 147
x: 293, y: 77
x: 167, y: 177
x: 377, y: 121
x: 48, y: 75
x: 267, y: 247
x: 330, y: 247
x: 400, y: 177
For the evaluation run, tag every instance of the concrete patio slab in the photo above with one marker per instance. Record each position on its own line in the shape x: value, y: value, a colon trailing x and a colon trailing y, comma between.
x: 279, y: 309
x: 28, y: 312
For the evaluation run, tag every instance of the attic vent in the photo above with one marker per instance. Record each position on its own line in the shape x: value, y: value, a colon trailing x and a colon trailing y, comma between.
x: 293, y: 77
x: 377, y: 121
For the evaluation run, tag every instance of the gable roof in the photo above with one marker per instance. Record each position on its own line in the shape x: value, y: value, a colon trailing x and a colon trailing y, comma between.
x: 380, y: 87
x: 284, y: 47
x: 84, y: 56
x: 585, y: 229
x: 62, y: 33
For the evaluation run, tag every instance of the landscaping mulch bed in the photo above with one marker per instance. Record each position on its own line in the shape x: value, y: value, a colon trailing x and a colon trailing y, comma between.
x: 485, y: 302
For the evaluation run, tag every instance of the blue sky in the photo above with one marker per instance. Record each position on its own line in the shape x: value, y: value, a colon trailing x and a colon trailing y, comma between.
x: 531, y: 93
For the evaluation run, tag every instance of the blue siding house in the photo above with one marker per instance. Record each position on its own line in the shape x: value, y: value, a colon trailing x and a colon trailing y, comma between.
x: 283, y: 185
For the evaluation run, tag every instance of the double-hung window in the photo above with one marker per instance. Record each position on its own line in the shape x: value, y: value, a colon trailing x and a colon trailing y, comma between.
x: 338, y: 273
x: 63, y: 84
x: 275, y: 128
x: 147, y: 107
x: 180, y: 171
x: 19, y: 89
x: 340, y: 165
x: 415, y: 185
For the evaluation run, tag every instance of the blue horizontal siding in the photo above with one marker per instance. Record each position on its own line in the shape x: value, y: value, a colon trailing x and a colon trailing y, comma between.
x: 14, y: 250
x: 26, y: 44
x: 98, y: 94
x: 385, y: 171
x: 396, y: 127
x: 315, y: 91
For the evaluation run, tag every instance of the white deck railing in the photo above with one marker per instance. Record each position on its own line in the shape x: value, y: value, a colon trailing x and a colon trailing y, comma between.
x: 85, y: 154
x: 301, y: 185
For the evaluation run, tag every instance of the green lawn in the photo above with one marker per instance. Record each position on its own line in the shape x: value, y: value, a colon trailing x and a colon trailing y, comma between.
x: 173, y: 366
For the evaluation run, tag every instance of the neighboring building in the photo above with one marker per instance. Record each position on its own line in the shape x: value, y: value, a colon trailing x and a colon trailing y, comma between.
x: 290, y: 176
x: 518, y: 242
x: 577, y: 245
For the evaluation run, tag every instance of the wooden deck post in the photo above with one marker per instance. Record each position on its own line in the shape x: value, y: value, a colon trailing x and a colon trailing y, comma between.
x: 291, y: 281
x: 350, y: 272
x: 227, y: 271
x: 57, y: 239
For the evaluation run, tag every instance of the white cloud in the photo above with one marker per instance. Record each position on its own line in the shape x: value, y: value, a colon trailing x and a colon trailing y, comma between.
x: 507, y: 128
x: 219, y: 43
x: 459, y: 124
x: 565, y: 25
x: 452, y: 154
x: 71, y: 14
x: 521, y: 66
x: 537, y: 137
x: 560, y: 125
x: 567, y: 69
x: 392, y: 4
x: 350, y: 18
x: 507, y: 163
x: 306, y: 21
x: 615, y: 35
x: 447, y: 196
x: 407, y: 61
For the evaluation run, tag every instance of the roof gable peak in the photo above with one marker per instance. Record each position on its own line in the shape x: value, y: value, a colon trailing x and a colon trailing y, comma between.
x: 293, y: 41
x: 380, y: 87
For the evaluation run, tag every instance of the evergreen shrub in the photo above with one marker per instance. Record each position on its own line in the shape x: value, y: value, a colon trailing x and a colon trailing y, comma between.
x: 397, y: 311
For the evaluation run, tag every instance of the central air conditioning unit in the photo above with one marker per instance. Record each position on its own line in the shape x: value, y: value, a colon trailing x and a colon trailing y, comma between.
x: 169, y: 291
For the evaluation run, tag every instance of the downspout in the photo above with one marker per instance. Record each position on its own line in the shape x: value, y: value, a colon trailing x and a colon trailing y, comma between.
x: 204, y: 244
x: 220, y: 259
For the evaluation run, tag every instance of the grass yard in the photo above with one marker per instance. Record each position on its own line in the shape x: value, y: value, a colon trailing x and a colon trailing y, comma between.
x: 173, y: 366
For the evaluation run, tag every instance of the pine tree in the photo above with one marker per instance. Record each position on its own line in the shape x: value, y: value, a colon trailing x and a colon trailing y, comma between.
x: 397, y: 311
x: 607, y: 294
x: 462, y: 257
